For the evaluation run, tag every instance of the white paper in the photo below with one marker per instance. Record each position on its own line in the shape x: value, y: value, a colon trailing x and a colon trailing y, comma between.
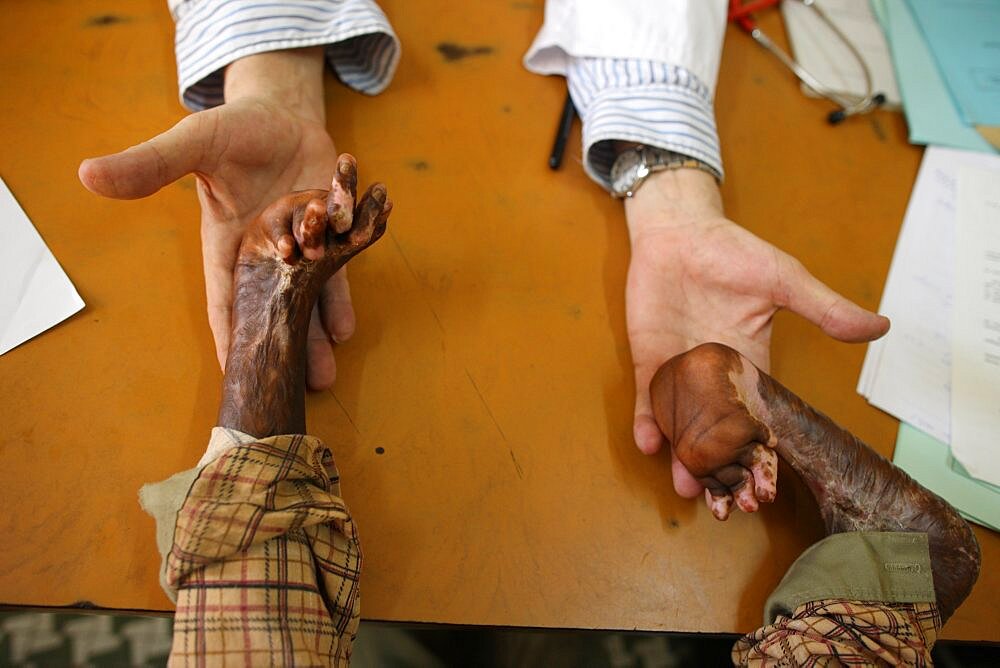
x: 975, y: 370
x: 36, y: 292
x: 908, y: 372
x: 824, y: 55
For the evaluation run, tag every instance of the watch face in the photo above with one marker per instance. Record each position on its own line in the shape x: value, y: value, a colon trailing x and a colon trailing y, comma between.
x: 626, y: 161
x: 625, y: 172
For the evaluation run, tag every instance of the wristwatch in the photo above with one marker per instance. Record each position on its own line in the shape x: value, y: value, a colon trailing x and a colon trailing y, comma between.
x: 635, y: 165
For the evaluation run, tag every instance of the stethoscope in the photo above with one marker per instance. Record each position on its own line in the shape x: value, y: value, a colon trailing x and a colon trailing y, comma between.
x: 850, y: 105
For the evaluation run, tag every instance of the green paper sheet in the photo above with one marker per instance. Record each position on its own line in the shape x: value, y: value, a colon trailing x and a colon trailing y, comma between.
x: 929, y: 462
x: 963, y: 38
x: 930, y: 112
x: 881, y: 13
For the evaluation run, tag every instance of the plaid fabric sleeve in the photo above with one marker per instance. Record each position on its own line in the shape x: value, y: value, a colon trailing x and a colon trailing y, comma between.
x: 265, y: 560
x: 844, y: 633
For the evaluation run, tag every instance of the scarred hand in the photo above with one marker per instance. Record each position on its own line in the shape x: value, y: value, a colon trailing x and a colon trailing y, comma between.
x: 268, y: 139
x: 706, y: 404
x: 696, y: 276
x: 728, y: 422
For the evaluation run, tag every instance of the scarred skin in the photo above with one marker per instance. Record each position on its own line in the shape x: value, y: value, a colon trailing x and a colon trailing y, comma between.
x: 726, y: 420
x: 287, y: 254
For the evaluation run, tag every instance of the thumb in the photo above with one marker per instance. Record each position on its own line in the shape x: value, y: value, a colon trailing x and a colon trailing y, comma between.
x: 647, y: 435
x: 145, y: 168
x: 836, y: 315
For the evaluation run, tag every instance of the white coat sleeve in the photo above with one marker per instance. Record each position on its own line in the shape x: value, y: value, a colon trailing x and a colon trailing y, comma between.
x: 638, y: 70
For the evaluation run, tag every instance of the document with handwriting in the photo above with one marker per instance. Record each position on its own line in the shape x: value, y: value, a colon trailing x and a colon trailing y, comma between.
x: 975, y: 369
x: 908, y: 372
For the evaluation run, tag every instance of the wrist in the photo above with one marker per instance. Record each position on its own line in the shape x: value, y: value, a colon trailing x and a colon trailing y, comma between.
x: 292, y: 78
x: 673, y: 199
x: 635, y: 163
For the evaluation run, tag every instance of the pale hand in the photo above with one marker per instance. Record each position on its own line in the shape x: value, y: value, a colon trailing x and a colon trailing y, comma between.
x: 245, y: 154
x: 696, y: 277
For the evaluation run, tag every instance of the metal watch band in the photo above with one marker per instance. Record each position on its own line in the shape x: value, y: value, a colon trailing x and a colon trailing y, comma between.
x: 634, y: 166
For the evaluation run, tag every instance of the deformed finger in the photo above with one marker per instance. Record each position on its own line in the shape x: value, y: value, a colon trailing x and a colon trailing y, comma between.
x: 382, y: 220
x: 764, y: 467
x: 310, y: 231
x: 719, y: 505
x: 745, y: 499
x: 737, y: 480
x: 343, y: 193
x: 366, y: 214
x: 278, y: 226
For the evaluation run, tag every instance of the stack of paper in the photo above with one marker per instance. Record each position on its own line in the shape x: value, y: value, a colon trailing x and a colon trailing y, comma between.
x: 938, y: 368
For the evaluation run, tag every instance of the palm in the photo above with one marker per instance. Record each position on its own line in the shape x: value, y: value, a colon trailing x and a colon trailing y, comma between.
x: 719, y: 283
x: 254, y: 154
x: 711, y: 280
x: 245, y: 154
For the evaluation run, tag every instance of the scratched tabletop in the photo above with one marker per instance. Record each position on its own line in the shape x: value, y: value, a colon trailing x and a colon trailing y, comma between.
x: 482, y: 414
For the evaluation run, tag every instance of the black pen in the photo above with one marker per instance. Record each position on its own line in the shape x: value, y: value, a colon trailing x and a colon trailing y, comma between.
x: 562, y: 133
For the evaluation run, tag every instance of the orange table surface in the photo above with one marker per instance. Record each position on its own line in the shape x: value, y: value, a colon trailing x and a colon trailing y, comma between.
x: 490, y: 362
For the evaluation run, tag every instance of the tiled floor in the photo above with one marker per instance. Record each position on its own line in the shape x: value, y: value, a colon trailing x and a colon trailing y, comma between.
x: 92, y: 639
x: 45, y: 639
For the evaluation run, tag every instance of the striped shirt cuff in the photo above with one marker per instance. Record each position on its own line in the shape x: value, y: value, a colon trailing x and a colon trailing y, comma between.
x: 360, y: 44
x: 651, y: 103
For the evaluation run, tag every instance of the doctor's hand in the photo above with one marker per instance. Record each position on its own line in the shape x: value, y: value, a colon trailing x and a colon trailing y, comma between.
x: 696, y: 277
x: 268, y: 139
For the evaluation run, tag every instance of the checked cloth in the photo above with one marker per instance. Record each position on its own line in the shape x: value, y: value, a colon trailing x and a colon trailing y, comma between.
x: 844, y: 633
x: 264, y: 559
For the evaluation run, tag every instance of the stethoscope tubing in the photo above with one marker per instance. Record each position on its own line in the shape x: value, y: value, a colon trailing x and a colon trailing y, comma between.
x: 849, y: 104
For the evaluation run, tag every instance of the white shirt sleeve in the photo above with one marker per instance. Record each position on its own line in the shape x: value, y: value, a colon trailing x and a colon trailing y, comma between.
x: 361, y: 46
x: 643, y: 101
x: 638, y: 70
